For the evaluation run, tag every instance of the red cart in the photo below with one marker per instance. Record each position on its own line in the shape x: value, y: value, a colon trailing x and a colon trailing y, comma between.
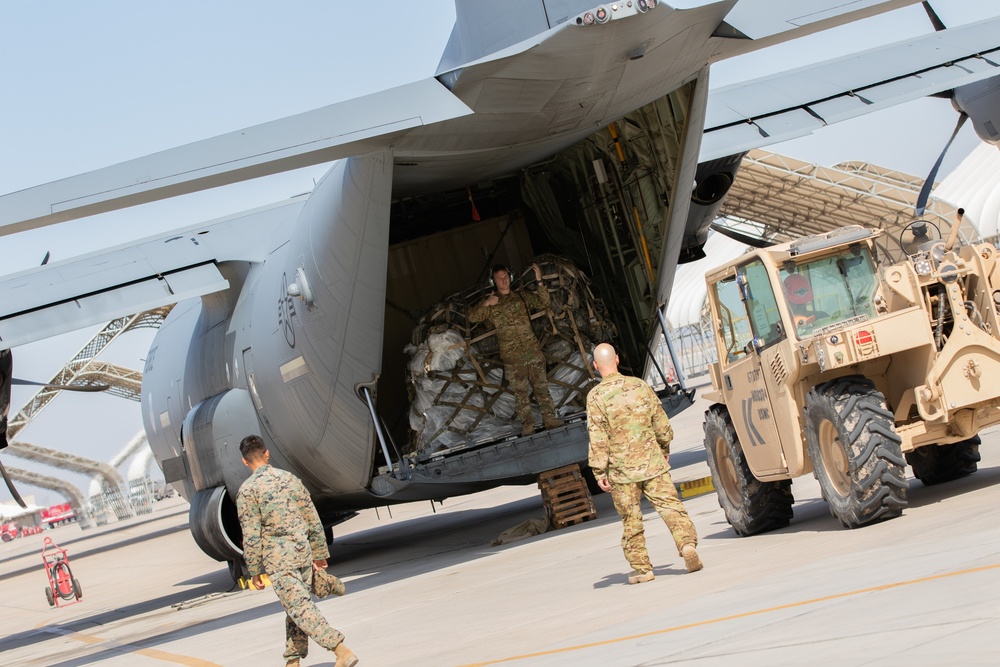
x: 62, y: 585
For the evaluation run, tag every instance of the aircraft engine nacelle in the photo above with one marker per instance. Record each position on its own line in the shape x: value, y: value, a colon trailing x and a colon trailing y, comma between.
x: 215, y: 524
x: 981, y: 101
x: 713, y: 179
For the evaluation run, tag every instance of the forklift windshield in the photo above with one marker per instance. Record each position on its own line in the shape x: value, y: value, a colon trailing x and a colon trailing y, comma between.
x: 822, y: 293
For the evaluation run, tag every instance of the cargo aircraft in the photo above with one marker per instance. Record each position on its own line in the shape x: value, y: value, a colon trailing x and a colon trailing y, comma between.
x: 588, y: 126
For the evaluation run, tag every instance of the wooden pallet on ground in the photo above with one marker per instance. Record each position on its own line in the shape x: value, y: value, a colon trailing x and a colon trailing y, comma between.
x: 565, y: 496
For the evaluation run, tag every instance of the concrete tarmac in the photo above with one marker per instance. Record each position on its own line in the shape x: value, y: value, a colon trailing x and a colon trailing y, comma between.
x: 426, y: 588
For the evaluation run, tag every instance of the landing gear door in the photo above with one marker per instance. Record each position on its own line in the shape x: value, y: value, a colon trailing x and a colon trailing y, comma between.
x: 749, y: 324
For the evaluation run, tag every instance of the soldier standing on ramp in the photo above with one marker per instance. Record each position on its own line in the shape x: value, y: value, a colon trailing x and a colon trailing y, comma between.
x: 282, y: 535
x: 523, y: 361
x: 629, y: 449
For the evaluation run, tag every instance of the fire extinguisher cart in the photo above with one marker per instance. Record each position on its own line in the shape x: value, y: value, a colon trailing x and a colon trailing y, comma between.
x: 63, y: 586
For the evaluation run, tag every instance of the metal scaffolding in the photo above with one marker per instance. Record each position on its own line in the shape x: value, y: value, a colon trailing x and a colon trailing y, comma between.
x: 82, y: 370
x: 72, y: 494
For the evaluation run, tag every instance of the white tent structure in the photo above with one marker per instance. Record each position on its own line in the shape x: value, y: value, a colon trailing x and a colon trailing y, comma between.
x: 975, y: 186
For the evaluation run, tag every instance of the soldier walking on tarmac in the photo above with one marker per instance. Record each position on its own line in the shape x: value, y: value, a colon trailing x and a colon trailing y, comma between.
x: 283, y: 536
x: 629, y: 451
x: 523, y: 361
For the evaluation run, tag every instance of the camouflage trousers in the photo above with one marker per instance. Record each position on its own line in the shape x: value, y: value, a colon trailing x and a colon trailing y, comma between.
x: 662, y: 496
x: 303, y: 619
x: 519, y: 375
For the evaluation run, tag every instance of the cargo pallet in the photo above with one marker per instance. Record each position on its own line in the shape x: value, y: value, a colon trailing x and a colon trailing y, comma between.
x: 565, y: 496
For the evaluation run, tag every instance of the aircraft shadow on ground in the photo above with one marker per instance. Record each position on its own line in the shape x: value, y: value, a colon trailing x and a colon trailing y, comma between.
x: 76, y: 555
x: 373, y: 557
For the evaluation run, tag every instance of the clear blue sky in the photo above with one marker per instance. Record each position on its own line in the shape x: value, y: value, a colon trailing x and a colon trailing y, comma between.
x: 90, y: 84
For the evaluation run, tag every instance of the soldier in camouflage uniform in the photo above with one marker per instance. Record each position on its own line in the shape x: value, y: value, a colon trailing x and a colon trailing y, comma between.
x: 283, y: 536
x: 523, y: 362
x: 629, y: 451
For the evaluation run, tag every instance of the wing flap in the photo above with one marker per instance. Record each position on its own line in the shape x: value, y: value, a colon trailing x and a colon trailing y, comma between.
x: 152, y: 292
x: 149, y: 273
x: 795, y: 103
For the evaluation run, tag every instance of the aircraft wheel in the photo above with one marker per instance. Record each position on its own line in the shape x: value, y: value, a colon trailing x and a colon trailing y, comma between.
x: 237, y: 570
x: 50, y: 597
x: 935, y: 464
x: 751, y: 506
x: 855, y: 451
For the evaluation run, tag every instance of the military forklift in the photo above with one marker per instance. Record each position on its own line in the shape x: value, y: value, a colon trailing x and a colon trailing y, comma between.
x: 836, y: 359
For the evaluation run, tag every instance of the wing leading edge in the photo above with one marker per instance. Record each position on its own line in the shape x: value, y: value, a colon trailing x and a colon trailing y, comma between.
x: 353, y: 127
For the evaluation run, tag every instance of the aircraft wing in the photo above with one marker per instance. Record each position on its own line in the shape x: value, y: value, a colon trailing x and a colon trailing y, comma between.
x: 792, y: 104
x: 352, y: 127
x: 133, y: 277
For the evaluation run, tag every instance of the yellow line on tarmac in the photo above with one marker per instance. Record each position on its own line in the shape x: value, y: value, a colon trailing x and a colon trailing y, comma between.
x: 721, y: 619
x: 156, y: 654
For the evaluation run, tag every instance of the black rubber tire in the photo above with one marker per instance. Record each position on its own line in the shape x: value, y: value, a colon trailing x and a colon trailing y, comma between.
x: 77, y: 589
x: 855, y: 451
x: 750, y: 505
x: 238, y: 570
x: 50, y: 597
x: 936, y: 464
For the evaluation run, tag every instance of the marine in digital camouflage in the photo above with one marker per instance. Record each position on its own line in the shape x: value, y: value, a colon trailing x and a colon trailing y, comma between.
x: 524, y: 363
x: 630, y: 438
x: 282, y: 536
x: 281, y: 529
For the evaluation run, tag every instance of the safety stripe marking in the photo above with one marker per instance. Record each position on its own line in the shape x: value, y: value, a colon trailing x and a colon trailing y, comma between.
x: 757, y: 612
x: 695, y: 487
x: 156, y: 654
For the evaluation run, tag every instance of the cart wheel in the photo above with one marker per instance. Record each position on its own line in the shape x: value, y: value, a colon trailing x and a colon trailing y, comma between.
x: 51, y: 598
x: 77, y: 590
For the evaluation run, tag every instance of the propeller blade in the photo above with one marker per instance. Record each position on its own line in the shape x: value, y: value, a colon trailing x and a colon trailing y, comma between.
x: 935, y: 19
x: 11, y: 488
x: 751, y: 241
x: 925, y: 190
x: 64, y: 387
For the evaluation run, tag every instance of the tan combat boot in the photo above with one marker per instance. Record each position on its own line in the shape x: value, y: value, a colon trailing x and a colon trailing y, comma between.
x: 345, y: 656
x: 637, y: 577
x: 527, y: 429
x: 294, y: 662
x: 552, y: 422
x: 691, y: 559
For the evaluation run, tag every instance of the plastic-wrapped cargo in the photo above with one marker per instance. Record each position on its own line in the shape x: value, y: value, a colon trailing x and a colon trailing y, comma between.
x: 458, y: 393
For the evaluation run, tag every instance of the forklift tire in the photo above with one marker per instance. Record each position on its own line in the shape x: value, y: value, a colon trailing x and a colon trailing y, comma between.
x: 50, y: 597
x: 751, y: 506
x: 855, y: 451
x: 77, y: 589
x: 936, y: 464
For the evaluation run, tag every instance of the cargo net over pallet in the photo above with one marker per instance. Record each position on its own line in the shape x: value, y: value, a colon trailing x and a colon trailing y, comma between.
x: 455, y: 377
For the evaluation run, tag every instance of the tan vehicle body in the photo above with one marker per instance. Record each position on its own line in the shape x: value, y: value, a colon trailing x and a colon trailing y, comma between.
x: 833, y: 362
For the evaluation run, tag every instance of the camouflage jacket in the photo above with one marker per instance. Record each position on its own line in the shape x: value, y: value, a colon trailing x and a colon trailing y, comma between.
x: 281, y: 529
x: 629, y: 431
x: 511, y: 317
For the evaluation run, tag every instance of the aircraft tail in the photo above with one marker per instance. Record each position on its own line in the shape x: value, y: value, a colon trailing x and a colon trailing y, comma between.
x: 482, y: 28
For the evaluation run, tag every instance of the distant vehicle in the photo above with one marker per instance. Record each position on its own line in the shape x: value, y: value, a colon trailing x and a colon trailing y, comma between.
x: 56, y: 515
x: 9, y: 531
